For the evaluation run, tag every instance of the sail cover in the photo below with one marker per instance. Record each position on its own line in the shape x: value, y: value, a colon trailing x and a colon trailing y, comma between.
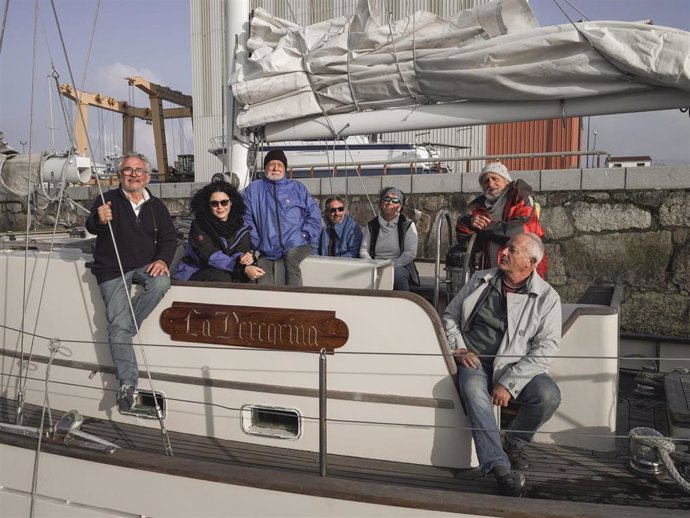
x: 495, y: 52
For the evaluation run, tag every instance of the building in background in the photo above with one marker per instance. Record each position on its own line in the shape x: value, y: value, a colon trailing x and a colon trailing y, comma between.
x: 629, y: 161
x: 535, y: 137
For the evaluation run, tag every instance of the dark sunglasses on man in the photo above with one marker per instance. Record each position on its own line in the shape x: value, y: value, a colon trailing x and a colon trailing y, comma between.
x: 333, y: 210
x: 216, y: 203
x: 392, y: 199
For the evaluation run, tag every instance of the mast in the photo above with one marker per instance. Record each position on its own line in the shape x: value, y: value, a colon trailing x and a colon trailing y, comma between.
x: 237, y: 145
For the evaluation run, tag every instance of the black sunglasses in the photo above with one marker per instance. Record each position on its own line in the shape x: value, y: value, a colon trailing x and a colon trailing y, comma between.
x: 333, y: 210
x: 391, y: 199
x: 217, y: 203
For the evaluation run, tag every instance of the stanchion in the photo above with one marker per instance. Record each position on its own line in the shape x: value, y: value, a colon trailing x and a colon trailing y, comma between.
x: 323, y: 451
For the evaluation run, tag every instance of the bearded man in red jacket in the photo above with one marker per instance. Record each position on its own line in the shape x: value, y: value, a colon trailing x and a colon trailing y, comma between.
x: 506, y: 209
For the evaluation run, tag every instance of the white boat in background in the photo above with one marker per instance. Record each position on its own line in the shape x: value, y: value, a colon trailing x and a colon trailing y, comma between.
x: 354, y: 155
x: 333, y: 399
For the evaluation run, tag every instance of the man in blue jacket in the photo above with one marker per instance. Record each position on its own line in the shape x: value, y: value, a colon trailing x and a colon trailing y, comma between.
x: 145, y: 237
x: 285, y: 221
x: 342, y: 236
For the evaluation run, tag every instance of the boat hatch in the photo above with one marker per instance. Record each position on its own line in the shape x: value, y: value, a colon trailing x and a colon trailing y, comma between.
x: 677, y: 389
x: 281, y: 423
x: 145, y: 406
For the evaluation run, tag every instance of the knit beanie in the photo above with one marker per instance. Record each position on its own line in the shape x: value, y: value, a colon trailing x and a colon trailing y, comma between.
x: 394, y: 192
x: 496, y: 168
x: 275, y: 154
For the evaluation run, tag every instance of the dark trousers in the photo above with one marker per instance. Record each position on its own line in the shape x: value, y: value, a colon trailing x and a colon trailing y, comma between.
x: 285, y: 270
x: 216, y: 275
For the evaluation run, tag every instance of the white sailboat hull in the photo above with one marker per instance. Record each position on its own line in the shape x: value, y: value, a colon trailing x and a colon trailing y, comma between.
x: 78, y: 488
x: 413, y: 390
x: 391, y: 390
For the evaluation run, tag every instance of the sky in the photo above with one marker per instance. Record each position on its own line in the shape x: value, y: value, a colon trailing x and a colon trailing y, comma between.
x: 151, y: 38
x: 148, y: 38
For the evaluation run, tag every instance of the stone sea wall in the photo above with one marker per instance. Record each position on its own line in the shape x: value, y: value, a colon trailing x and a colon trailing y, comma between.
x: 627, y: 227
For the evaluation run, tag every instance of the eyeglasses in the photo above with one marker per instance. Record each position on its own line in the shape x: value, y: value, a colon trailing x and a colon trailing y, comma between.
x: 219, y: 203
x: 333, y: 210
x: 391, y: 199
x: 129, y: 171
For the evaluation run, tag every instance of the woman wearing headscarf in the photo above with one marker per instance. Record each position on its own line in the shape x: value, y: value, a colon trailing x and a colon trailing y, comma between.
x: 218, y: 249
x: 392, y: 236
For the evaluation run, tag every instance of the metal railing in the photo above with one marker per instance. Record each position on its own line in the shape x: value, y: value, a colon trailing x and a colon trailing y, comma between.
x: 430, y: 165
x: 440, y: 216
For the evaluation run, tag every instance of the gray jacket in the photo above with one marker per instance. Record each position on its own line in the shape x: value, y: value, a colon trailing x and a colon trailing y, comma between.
x: 534, y: 328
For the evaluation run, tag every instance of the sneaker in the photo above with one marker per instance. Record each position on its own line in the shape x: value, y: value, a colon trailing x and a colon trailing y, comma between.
x: 517, y: 456
x: 511, y: 484
x: 126, y: 395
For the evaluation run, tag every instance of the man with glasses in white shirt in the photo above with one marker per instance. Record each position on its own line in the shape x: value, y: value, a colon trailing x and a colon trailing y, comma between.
x: 341, y: 237
x: 138, y: 225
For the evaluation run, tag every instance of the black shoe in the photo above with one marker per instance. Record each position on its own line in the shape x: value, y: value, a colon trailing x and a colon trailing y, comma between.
x: 517, y: 456
x: 126, y: 395
x: 511, y: 484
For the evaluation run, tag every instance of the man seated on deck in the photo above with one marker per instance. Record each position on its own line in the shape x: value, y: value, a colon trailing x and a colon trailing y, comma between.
x: 341, y: 237
x: 506, y: 208
x: 504, y: 328
x: 145, y: 237
x: 284, y: 219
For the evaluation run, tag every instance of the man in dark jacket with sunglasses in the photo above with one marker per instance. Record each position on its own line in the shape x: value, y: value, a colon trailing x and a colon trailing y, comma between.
x: 341, y: 236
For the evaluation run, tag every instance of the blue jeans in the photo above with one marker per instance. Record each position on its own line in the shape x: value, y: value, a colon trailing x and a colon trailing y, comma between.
x: 401, y: 279
x: 537, y: 402
x: 120, y: 325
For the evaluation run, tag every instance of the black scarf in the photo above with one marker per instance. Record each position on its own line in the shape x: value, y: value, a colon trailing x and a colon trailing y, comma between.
x: 216, y: 228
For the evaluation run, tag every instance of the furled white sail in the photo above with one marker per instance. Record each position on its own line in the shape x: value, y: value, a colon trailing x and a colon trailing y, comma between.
x: 495, y: 52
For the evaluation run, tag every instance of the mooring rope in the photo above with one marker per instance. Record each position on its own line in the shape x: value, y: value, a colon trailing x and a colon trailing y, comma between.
x: 649, y: 445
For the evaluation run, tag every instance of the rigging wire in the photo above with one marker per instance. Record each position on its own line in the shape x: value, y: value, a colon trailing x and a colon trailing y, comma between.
x: 292, y: 13
x: 575, y: 7
x: 203, y: 403
x: 50, y: 109
x: 22, y: 383
x: 54, y: 348
x: 565, y: 13
x: 54, y: 74
x: 63, y: 106
x: 20, y: 394
x: 336, y: 352
x: 395, y: 53
x: 4, y: 22
x: 90, y: 45
x: 164, y: 433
